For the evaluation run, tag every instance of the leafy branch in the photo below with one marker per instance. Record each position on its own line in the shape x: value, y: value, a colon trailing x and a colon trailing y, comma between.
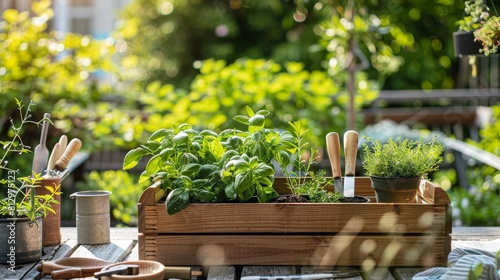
x: 297, y: 173
x: 22, y: 201
x: 15, y: 145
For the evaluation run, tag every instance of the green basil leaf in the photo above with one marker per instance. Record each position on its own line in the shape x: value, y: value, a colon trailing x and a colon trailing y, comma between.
x: 208, y: 170
x: 266, y: 181
x: 249, y: 111
x: 264, y: 170
x: 207, y: 132
x: 184, y: 126
x: 154, y: 164
x: 177, y: 200
x: 242, y: 119
x: 230, y: 191
x: 181, y: 138
x: 133, y: 157
x: 261, y: 195
x: 144, y: 177
x: 161, y: 133
x: 257, y: 120
x: 237, y: 163
x: 243, y: 181
x: 189, y: 169
x: 263, y: 112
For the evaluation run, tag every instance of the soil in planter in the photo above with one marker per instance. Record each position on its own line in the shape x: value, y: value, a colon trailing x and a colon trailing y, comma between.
x: 304, y: 199
x: 289, y: 199
x: 355, y: 199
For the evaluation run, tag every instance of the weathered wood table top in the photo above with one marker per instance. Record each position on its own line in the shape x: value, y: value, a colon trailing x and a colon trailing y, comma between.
x: 124, y: 247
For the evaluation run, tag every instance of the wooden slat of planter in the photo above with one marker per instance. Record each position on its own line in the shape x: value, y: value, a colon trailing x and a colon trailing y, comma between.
x: 311, y: 250
x: 295, y: 218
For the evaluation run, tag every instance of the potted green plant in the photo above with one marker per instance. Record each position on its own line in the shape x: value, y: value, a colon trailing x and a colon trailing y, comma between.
x: 488, y: 35
x: 464, y: 39
x: 397, y: 167
x: 21, y: 209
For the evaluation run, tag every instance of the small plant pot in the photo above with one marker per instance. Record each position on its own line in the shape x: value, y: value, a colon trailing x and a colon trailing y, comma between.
x: 465, y: 45
x: 395, y: 190
x: 21, y: 240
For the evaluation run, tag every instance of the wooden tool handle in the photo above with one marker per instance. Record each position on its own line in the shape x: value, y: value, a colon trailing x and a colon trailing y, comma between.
x: 68, y: 273
x: 333, y: 149
x: 350, y: 150
x: 178, y: 272
x: 63, y: 143
x: 53, y: 157
x: 46, y: 267
x: 73, y: 146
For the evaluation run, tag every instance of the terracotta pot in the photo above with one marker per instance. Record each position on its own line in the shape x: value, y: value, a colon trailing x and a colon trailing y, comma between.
x: 464, y: 44
x: 395, y: 190
x: 52, y: 222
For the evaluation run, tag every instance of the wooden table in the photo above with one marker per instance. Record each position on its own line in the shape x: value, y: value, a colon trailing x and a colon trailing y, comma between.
x: 124, y: 247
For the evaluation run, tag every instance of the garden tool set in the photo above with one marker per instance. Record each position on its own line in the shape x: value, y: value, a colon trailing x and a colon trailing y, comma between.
x: 350, y: 149
x: 78, y: 267
x: 55, y: 166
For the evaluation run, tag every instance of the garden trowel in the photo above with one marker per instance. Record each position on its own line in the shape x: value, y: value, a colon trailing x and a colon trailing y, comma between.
x: 350, y: 150
x: 333, y: 148
x: 41, y: 153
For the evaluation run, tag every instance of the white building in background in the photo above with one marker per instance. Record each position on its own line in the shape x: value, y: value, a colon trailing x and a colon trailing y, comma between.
x: 94, y: 17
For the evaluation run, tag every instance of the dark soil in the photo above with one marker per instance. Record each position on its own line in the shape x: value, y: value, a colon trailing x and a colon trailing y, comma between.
x: 356, y: 199
x: 289, y: 199
x: 303, y: 199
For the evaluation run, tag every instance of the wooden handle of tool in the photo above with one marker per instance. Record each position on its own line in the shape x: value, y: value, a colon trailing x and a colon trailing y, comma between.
x: 68, y: 273
x: 53, y: 157
x: 63, y: 143
x: 333, y: 149
x: 73, y: 146
x: 177, y: 272
x: 351, y: 150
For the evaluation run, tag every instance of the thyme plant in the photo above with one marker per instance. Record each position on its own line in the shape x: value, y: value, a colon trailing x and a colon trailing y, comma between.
x: 406, y: 158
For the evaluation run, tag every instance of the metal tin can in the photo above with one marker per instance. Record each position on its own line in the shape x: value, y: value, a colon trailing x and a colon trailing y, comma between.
x: 92, y: 217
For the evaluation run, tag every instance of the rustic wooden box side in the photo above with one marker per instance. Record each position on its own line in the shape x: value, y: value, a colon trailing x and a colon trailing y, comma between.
x: 309, y: 250
x: 300, y: 231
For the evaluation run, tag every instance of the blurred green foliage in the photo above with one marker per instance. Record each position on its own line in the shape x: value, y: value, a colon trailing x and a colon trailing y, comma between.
x: 221, y: 90
x: 182, y: 32
x: 178, y: 33
x: 480, y: 205
x: 125, y: 192
x: 56, y: 71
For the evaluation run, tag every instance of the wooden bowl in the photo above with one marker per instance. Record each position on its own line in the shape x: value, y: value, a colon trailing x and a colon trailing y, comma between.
x: 148, y: 270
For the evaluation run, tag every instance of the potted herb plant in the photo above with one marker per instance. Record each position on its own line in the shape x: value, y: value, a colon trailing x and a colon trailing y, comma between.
x: 21, y: 209
x: 488, y: 35
x: 464, y: 40
x: 397, y: 167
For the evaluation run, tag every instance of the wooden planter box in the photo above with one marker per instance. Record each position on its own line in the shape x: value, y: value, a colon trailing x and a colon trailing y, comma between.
x: 322, y: 234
